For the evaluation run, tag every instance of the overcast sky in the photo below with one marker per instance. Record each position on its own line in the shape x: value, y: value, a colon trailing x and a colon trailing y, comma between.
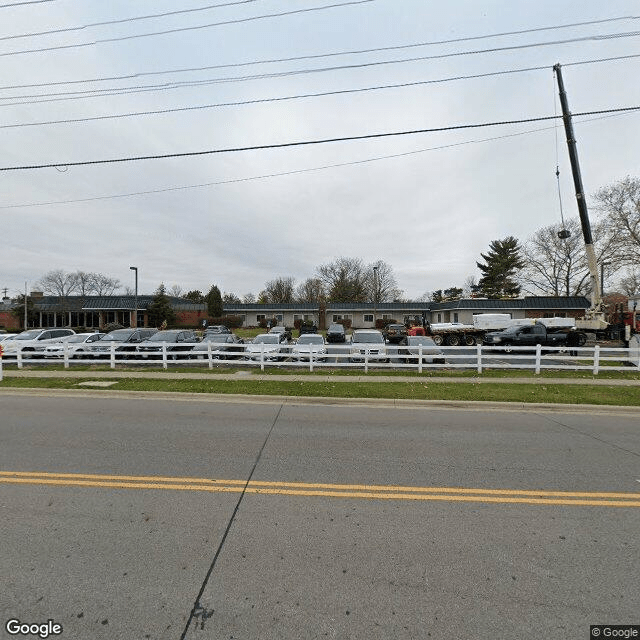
x: 429, y: 211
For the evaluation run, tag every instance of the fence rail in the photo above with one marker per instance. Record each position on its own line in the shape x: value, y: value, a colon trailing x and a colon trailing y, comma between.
x: 595, y: 358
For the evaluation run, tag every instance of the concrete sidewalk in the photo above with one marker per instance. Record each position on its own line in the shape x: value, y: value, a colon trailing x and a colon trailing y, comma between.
x: 249, y: 376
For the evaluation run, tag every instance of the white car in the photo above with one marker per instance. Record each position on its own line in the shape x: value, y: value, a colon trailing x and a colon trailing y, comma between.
x: 75, y: 345
x: 268, y: 344
x: 368, y: 343
x: 33, y: 342
x: 7, y: 336
x: 309, y: 345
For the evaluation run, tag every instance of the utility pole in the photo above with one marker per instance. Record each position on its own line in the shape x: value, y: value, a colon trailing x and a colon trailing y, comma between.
x: 594, y: 317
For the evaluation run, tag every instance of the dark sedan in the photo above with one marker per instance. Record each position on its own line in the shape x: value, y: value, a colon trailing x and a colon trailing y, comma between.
x: 225, y: 346
x: 177, y: 341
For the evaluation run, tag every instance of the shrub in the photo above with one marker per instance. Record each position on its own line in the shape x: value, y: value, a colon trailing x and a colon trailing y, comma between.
x: 345, y: 322
x: 381, y: 323
x: 231, y: 322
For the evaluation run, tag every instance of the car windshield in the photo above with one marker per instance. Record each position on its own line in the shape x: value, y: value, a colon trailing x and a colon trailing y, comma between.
x: 163, y: 336
x: 216, y: 337
x: 77, y: 338
x: 28, y: 335
x: 336, y: 328
x: 266, y: 339
x: 415, y: 341
x: 119, y: 335
x: 367, y: 337
x: 310, y: 339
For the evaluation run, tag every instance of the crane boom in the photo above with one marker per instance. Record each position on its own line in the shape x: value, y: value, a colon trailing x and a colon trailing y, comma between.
x: 594, y: 317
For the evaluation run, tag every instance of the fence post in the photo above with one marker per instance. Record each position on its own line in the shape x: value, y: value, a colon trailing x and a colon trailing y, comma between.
x: 596, y: 360
x: 310, y: 358
x: 538, y: 357
x: 209, y: 354
x: 262, y: 356
x: 0, y: 365
x: 112, y: 355
x: 65, y: 350
x: 419, y: 358
x: 366, y: 359
x: 19, y: 357
x: 479, y: 357
x: 164, y: 355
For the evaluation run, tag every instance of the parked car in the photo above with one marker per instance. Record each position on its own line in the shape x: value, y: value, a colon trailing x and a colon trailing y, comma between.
x: 33, y: 342
x: 309, y: 345
x: 270, y: 344
x: 307, y: 327
x: 370, y: 343
x: 283, y: 332
x: 336, y: 333
x: 394, y: 333
x: 409, y: 352
x: 77, y: 346
x: 223, y: 345
x: 125, y: 341
x: 217, y: 328
x: 176, y: 342
x: 7, y: 336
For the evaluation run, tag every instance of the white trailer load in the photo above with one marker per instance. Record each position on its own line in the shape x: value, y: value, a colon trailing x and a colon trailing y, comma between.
x: 557, y: 323
x: 491, y: 321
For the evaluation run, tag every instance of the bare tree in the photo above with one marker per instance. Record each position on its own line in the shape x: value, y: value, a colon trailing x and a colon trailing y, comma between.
x: 175, y: 290
x: 249, y: 298
x: 102, y: 285
x: 230, y: 298
x: 59, y: 283
x: 620, y: 206
x: 311, y: 291
x: 382, y: 283
x: 280, y: 290
x: 345, y: 280
x: 630, y: 284
x: 558, y: 266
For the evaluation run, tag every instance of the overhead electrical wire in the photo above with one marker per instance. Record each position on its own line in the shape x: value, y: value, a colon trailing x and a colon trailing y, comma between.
x: 296, y: 171
x: 98, y: 93
x: 280, y: 98
x: 209, y: 7
x: 139, y: 74
x: 301, y: 143
x: 19, y: 4
x: 210, y: 25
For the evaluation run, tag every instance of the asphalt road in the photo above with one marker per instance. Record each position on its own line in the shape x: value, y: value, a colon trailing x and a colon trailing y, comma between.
x: 133, y: 519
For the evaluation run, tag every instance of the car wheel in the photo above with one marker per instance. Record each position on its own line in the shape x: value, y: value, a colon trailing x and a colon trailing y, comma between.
x: 507, y: 347
x: 453, y: 340
x: 438, y: 339
x: 469, y: 340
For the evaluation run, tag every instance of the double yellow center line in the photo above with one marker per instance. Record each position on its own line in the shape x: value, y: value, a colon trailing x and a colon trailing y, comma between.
x: 370, y: 492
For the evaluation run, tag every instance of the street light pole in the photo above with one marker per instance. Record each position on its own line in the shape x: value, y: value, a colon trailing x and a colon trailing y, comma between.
x: 375, y: 295
x: 135, y: 316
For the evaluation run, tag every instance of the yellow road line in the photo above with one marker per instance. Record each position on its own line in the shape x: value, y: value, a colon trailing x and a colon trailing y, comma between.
x: 307, y: 485
x: 371, y: 492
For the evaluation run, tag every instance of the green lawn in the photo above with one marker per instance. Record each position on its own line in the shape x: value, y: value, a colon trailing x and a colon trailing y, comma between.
x: 418, y: 390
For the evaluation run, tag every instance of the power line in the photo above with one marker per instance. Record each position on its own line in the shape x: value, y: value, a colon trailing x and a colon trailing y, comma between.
x: 124, y: 20
x: 278, y: 98
x: 185, y: 29
x: 295, y: 171
x: 282, y: 145
x: 19, y: 4
x: 314, y: 56
x: 98, y: 93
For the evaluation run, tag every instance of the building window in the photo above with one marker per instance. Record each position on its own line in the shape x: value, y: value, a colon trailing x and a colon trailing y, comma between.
x: 297, y: 316
x: 368, y: 317
x: 261, y: 316
x: 455, y: 317
x: 439, y: 317
x: 560, y: 314
x: 279, y: 317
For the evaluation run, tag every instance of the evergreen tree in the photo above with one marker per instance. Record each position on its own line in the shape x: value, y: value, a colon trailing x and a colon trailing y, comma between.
x: 18, y: 310
x: 502, y: 263
x: 160, y: 310
x: 195, y: 296
x: 214, y: 302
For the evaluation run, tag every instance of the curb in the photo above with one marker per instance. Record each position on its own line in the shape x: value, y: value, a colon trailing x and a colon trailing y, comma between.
x: 177, y: 396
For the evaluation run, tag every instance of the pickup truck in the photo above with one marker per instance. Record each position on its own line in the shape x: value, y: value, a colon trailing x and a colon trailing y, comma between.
x: 532, y: 335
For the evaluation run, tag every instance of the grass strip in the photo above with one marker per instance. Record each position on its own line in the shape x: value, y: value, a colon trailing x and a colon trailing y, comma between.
x: 419, y: 390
